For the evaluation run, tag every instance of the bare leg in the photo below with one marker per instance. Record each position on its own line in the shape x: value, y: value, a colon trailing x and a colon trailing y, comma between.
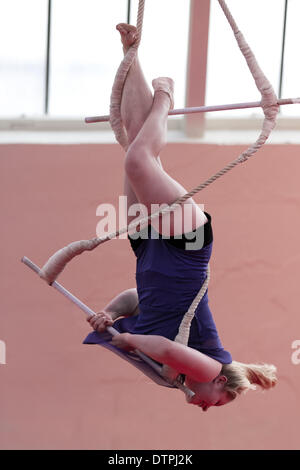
x: 136, y: 103
x: 151, y: 183
x: 145, y: 120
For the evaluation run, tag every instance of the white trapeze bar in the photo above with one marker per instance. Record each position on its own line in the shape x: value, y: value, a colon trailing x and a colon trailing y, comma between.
x: 206, y: 109
x: 110, y: 329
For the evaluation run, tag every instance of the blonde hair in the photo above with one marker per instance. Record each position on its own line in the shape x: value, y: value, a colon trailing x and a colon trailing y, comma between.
x: 243, y: 377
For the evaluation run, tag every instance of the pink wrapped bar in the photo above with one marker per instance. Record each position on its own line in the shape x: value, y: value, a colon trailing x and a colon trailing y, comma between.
x: 206, y: 109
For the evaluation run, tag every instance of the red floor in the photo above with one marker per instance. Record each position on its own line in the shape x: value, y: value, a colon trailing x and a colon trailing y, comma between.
x: 59, y: 394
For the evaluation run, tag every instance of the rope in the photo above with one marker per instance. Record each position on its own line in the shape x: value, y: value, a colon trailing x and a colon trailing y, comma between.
x: 58, y: 261
x: 184, y: 329
x: 120, y: 78
x: 269, y: 98
x: 185, y: 325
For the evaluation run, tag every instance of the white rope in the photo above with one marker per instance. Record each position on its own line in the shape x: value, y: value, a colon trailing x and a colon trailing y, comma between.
x: 185, y: 325
x: 117, y: 89
x: 270, y: 108
x: 268, y: 96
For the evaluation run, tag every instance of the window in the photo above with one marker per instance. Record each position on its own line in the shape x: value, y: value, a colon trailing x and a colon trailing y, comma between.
x: 22, y: 56
x: 85, y: 54
x: 291, y: 70
x: 164, y: 46
x: 85, y: 51
x: 228, y: 77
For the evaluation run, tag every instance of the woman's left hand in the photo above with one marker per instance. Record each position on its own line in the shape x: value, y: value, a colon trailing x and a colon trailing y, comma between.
x: 100, y: 321
x: 122, y: 341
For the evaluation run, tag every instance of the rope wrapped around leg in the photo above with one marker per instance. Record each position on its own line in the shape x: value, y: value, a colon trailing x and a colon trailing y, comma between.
x: 120, y: 78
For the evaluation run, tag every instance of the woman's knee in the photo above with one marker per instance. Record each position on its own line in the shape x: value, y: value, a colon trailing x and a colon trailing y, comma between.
x: 136, y: 160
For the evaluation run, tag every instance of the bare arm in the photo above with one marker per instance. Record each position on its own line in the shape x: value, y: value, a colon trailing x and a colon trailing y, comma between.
x: 183, y: 359
x: 124, y: 304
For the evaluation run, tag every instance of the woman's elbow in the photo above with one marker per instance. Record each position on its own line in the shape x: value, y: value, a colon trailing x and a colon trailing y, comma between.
x: 166, y: 350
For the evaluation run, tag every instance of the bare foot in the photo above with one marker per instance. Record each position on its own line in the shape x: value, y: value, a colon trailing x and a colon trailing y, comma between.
x: 166, y: 85
x: 128, y: 35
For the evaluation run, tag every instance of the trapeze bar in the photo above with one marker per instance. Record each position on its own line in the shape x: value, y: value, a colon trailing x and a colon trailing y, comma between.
x: 206, y: 109
x: 60, y: 288
x: 110, y: 329
x: 83, y: 307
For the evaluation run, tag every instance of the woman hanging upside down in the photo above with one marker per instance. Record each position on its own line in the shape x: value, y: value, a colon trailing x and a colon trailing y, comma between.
x: 172, y: 260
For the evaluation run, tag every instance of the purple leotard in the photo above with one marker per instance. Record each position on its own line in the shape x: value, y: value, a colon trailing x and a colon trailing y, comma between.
x: 168, y: 277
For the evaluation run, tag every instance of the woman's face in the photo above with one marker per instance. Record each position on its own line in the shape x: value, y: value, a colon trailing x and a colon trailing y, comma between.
x: 208, y: 394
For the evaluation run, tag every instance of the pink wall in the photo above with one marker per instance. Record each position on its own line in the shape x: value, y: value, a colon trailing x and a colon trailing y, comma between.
x: 59, y: 394
x: 196, y: 65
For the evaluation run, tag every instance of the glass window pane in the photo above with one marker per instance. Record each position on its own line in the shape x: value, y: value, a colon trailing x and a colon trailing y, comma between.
x: 85, y: 53
x: 228, y: 77
x: 23, y: 33
x: 164, y: 46
x: 291, y: 73
x: 86, y: 50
